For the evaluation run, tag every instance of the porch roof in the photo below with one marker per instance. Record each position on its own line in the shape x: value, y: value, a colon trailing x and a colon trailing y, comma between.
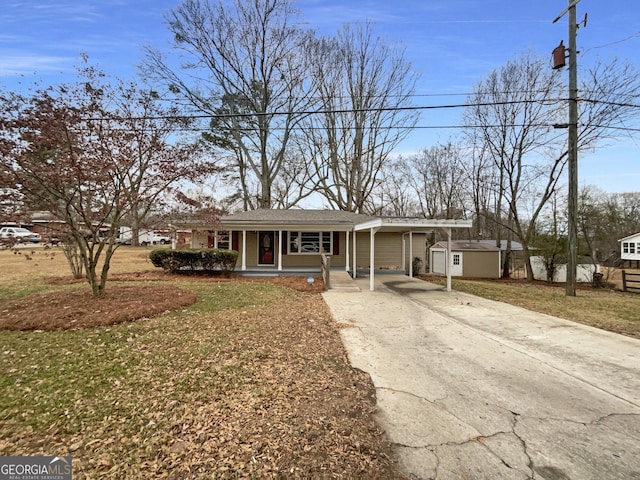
x: 275, y: 219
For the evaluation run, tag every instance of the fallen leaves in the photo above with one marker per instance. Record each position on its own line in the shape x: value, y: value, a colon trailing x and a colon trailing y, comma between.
x: 260, y: 388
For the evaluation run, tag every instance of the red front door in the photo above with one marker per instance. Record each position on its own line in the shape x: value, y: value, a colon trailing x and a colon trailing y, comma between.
x: 266, y: 248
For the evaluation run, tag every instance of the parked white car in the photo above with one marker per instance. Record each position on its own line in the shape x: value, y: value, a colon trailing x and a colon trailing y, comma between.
x: 19, y: 234
x: 145, y: 237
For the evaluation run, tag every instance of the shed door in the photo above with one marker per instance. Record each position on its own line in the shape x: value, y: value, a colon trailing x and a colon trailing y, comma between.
x: 456, y: 264
x: 438, y: 262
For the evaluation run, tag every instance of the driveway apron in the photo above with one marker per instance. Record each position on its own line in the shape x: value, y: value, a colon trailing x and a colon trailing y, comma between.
x: 469, y: 388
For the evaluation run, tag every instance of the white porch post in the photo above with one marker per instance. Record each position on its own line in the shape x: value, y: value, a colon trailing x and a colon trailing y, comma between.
x: 411, y: 253
x: 372, y: 258
x: 244, y: 250
x: 279, y: 250
x: 354, y: 254
x: 404, y: 252
x: 448, y: 260
x: 346, y: 251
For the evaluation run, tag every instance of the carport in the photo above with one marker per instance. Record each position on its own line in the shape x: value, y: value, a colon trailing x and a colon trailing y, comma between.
x: 408, y: 227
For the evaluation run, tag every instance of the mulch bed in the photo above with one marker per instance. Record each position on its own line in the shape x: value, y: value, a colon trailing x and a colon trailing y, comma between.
x: 77, y: 308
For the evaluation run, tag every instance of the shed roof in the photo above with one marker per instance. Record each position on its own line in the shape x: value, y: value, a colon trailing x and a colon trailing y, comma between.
x: 463, y: 245
x: 515, y: 246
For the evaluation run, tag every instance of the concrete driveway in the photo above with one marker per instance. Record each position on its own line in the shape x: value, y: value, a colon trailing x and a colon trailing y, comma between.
x: 469, y: 388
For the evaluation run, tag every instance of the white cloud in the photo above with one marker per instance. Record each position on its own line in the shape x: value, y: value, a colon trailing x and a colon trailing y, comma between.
x: 27, y: 64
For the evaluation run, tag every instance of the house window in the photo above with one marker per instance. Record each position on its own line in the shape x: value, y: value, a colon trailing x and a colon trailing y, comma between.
x: 309, y: 243
x: 632, y: 247
x: 222, y: 240
x: 625, y: 247
x: 456, y: 259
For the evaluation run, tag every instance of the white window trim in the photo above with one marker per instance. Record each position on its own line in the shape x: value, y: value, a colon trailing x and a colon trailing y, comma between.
x: 299, y: 233
x: 216, y: 243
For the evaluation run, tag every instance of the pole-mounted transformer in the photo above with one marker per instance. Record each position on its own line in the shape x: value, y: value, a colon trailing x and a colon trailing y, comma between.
x: 559, y: 56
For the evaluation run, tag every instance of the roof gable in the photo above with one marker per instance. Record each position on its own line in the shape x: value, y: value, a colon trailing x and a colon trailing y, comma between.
x: 631, y: 237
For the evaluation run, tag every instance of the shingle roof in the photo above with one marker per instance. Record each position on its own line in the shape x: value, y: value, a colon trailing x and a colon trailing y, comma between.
x: 468, y: 246
x: 294, y: 217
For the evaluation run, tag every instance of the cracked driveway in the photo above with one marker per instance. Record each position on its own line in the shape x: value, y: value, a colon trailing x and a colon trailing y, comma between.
x: 468, y: 388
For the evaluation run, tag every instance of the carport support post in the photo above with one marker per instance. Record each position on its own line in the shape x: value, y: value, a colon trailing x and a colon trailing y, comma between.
x: 448, y: 263
x: 354, y: 254
x: 346, y: 251
x: 410, y: 254
x: 244, y: 250
x: 279, y: 250
x: 372, y: 259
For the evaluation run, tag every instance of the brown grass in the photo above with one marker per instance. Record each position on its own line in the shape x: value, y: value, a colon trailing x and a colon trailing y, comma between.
x: 608, y: 309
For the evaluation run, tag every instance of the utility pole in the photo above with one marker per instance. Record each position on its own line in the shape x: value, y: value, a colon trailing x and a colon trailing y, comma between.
x: 572, y: 260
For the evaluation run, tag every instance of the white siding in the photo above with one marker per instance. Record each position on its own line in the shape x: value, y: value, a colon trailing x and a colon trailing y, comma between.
x: 630, y: 247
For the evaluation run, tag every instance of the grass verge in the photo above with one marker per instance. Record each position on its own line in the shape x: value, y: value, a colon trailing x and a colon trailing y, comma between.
x: 607, y: 309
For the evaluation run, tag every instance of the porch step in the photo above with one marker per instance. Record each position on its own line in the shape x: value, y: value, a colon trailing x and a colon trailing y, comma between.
x: 342, y: 281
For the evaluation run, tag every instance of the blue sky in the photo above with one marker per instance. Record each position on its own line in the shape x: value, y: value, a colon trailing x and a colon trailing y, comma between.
x: 452, y: 43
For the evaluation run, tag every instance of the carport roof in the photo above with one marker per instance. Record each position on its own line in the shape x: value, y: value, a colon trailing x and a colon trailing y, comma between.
x: 405, y: 224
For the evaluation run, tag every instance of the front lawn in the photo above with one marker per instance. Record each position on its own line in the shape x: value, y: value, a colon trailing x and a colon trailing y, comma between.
x: 251, y: 380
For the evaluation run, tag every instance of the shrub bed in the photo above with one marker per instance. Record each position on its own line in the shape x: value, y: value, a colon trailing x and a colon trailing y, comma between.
x: 207, y: 259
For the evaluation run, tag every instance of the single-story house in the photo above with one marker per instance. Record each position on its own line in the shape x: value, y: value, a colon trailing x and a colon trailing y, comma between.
x: 630, y: 250
x: 272, y: 240
x: 471, y: 259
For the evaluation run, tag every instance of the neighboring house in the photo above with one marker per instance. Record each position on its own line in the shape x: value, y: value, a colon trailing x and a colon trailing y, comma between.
x: 470, y: 259
x: 630, y: 251
x: 47, y: 225
x: 278, y: 241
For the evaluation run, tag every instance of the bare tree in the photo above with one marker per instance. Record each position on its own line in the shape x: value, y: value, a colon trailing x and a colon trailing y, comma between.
x: 243, y: 64
x: 364, y: 85
x: 436, y: 175
x: 158, y: 159
x: 395, y: 195
x: 512, y: 109
x: 70, y: 151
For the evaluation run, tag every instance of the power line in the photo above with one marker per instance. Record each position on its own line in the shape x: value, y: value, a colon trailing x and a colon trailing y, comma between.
x: 343, y: 111
x: 615, y: 42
